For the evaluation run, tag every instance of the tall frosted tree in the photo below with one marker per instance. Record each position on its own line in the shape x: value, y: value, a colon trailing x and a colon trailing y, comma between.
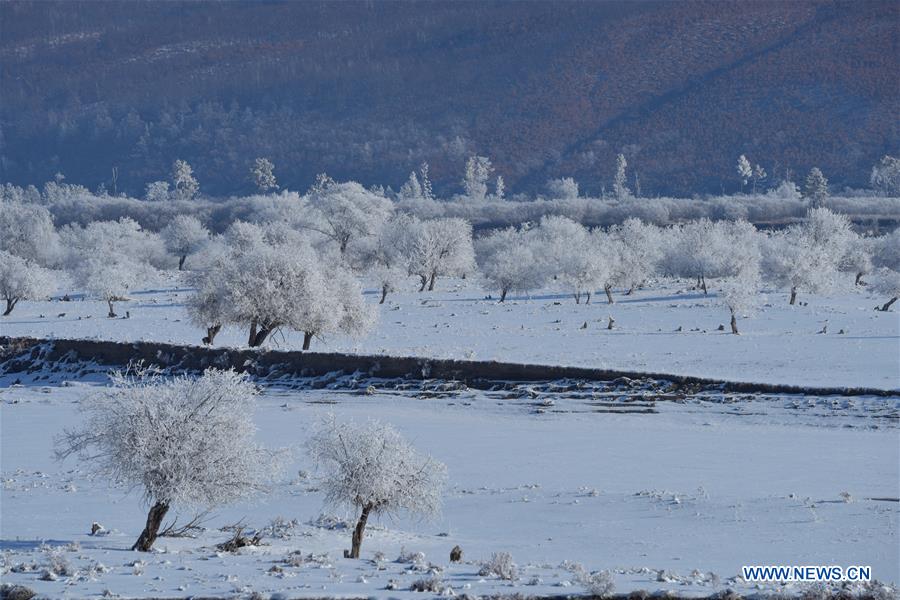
x: 744, y: 170
x: 263, y: 174
x: 620, y: 183
x: 478, y: 171
x: 815, y: 188
x: 22, y: 280
x: 885, y: 176
x: 184, y: 235
x: 185, y: 184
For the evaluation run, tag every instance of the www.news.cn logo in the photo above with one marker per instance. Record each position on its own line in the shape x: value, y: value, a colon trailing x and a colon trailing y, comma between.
x: 806, y: 573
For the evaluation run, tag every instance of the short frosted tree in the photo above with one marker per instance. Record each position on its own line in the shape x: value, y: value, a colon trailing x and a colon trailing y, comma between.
x: 887, y: 283
x: 388, y: 257
x: 478, y: 171
x: 815, y: 189
x: 740, y: 292
x: 807, y: 257
x: 885, y: 176
x: 109, y: 277
x: 263, y: 174
x: 185, y: 442
x: 507, y: 262
x: 620, y: 182
x: 270, y: 285
x: 744, y: 170
x: 565, y: 188
x: 157, y: 191
x: 27, y: 231
x: 857, y: 260
x: 373, y: 469
x: 759, y: 175
x: 639, y: 249
x: 22, y: 280
x: 441, y: 248
x: 345, y: 212
x: 184, y: 235
x: 886, y: 250
x: 184, y: 183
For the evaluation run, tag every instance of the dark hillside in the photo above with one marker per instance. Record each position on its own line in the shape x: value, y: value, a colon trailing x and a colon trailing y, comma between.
x: 368, y: 90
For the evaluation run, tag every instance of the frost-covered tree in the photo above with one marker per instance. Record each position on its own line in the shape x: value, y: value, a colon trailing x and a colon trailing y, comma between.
x: 184, y: 183
x: 740, y: 270
x: 441, y: 248
x: 886, y: 250
x: 388, y: 257
x: 411, y: 189
x: 184, y: 235
x: 185, y: 442
x: 27, y: 231
x: 807, y: 257
x: 698, y: 250
x: 565, y: 188
x: 639, y: 250
x: 500, y: 188
x: 425, y: 179
x: 858, y: 258
x: 270, y: 284
x: 22, y: 280
x: 157, y: 191
x: 478, y: 171
x: 815, y: 189
x: 507, y: 262
x: 344, y: 212
x: 759, y: 175
x: 263, y: 174
x: 885, y: 176
x: 887, y: 283
x: 620, y: 183
x: 744, y: 170
x: 576, y: 260
x: 109, y: 258
x: 373, y: 469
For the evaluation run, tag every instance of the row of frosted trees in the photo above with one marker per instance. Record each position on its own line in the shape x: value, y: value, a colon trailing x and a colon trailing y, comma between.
x: 299, y: 263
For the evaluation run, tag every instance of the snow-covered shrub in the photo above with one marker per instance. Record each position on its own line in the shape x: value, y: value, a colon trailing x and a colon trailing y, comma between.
x: 886, y: 250
x: 428, y: 584
x: 183, y: 441
x: 598, y: 583
x: 564, y: 188
x: 22, y: 280
x: 501, y: 566
x: 373, y: 469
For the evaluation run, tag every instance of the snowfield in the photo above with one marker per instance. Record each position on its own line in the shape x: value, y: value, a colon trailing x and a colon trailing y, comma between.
x: 678, y: 499
x: 667, y: 328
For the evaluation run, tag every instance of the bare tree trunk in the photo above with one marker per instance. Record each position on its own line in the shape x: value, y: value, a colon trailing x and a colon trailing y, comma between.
x: 424, y: 281
x: 609, y: 298
x: 211, y: 333
x: 261, y: 336
x: 112, y: 313
x: 793, y: 295
x: 384, y: 293
x: 431, y: 281
x: 588, y: 299
x: 703, y: 284
x: 181, y: 262
x: 630, y: 291
x: 577, y: 297
x: 359, y: 531
x: 503, y: 295
x: 887, y: 305
x: 734, y: 328
x: 252, y: 333
x: 307, y: 338
x: 859, y: 280
x: 151, y: 530
x: 10, y: 305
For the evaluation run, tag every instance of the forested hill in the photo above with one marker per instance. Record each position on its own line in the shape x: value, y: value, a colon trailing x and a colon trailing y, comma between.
x: 368, y: 90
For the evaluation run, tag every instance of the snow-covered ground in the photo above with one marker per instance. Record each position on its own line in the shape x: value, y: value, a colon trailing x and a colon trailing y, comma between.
x: 667, y: 328
x: 674, y: 500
